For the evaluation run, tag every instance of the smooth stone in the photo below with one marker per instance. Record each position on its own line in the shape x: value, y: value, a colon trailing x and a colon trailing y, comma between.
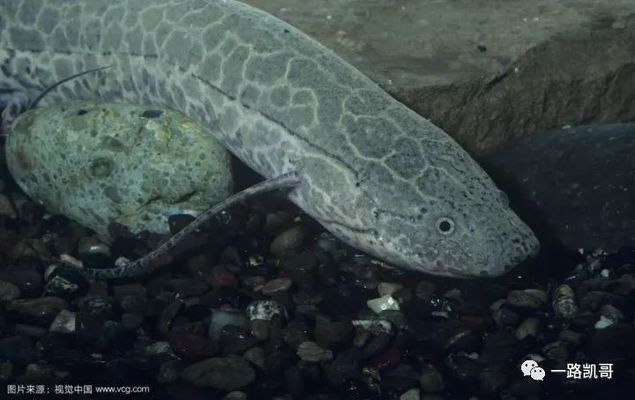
x: 91, y: 246
x: 224, y: 373
x: 386, y: 302
x: 236, y: 395
x: 64, y: 322
x: 131, y: 321
x: 564, y: 304
x: 344, y: 367
x: 275, y: 286
x: 43, y: 308
x: 265, y: 309
x: 310, y: 351
x: 6, y: 208
x: 158, y: 348
x: 532, y: 299
x: 134, y: 172
x: 290, y: 239
x: 191, y: 345
x: 223, y: 318
x: 431, y: 379
x: 9, y: 291
x: 529, y: 327
x: 256, y: 356
x: 412, y: 394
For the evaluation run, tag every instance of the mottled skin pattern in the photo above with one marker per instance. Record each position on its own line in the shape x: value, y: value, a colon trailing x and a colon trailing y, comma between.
x: 376, y: 174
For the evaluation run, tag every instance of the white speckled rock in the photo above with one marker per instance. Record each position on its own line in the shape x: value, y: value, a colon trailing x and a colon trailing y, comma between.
x: 102, y: 163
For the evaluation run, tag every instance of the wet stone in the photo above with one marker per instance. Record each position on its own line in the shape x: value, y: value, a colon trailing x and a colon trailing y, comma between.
x: 6, y: 208
x: 224, y: 373
x: 532, y: 299
x: 290, y: 239
x: 505, y: 317
x: 131, y: 321
x: 234, y: 339
x: 310, y: 351
x: 167, y: 315
x: 275, y: 286
x: 96, y: 306
x: 330, y: 334
x: 28, y: 279
x: 492, y: 381
x: 90, y: 246
x: 64, y: 322
x: 133, y: 289
x: 256, y: 355
x: 564, y: 304
x: 115, y: 338
x: 265, y: 309
x: 412, y: 394
x: 8, y: 291
x: 188, y: 287
x: 345, y: 366
x: 557, y: 351
x: 431, y: 379
x: 529, y: 327
x: 42, y: 310
x: 223, y: 318
x: 236, y: 395
x: 168, y: 372
x: 190, y: 345
x: 16, y: 349
x: 65, y: 282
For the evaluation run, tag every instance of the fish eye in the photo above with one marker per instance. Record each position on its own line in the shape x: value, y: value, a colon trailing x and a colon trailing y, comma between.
x: 445, y: 226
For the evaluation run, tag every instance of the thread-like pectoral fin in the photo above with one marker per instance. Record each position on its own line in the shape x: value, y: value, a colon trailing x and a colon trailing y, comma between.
x: 125, y: 268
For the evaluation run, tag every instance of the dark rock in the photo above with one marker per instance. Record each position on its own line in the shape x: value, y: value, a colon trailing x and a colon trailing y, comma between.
x: 115, y: 338
x: 531, y: 299
x: 235, y: 339
x: 331, y: 334
x: 265, y: 309
x: 492, y: 381
x: 345, y: 366
x: 188, y: 287
x: 16, y: 349
x: 28, y: 279
x: 591, y: 167
x: 8, y: 291
x: 131, y: 321
x: 275, y: 286
x: 190, y: 345
x: 431, y: 379
x: 41, y: 310
x: 224, y: 373
x: 290, y: 239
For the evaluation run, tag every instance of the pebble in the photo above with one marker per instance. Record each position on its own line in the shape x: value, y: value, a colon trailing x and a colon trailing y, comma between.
x: 412, y: 394
x: 158, y: 348
x: 64, y: 322
x: 557, y: 351
x: 256, y: 355
x: 191, y: 345
x: 331, y: 334
x: 236, y: 395
x: 532, y: 299
x: 6, y: 208
x: 265, y: 309
x: 603, y: 322
x: 223, y: 318
x: 43, y: 309
x: 9, y: 291
x: 611, y: 312
x: 290, y: 239
x: 505, y: 317
x: 168, y: 372
x: 131, y: 321
x: 563, y: 303
x: 275, y: 286
x: 132, y: 289
x: 383, y: 303
x: 374, y: 326
x: 529, y: 327
x: 345, y: 366
x: 223, y: 373
x: 431, y: 379
x: 388, y: 288
x: 310, y: 351
x: 234, y: 339
x: 28, y: 279
x: 91, y: 245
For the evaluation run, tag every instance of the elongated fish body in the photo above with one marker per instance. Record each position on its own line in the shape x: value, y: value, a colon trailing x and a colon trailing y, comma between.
x: 374, y: 173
